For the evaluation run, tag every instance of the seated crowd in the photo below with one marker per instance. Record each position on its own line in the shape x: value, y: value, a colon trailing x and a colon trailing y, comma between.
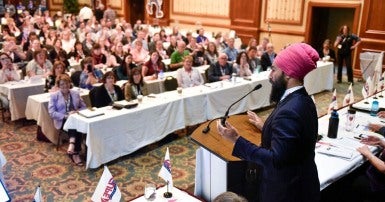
x: 37, y: 41
x: 72, y: 51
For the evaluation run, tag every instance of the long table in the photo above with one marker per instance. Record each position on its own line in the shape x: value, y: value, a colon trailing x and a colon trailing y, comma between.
x: 165, y: 113
x: 121, y: 132
x: 17, y: 93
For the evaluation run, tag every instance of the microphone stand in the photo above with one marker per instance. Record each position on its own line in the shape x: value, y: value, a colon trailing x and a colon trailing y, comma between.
x: 223, y: 119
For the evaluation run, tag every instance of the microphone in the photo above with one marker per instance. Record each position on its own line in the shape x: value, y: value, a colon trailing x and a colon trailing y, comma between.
x: 223, y: 119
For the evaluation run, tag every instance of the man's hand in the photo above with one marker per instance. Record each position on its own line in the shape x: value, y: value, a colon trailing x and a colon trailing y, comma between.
x: 228, y: 132
x: 255, y: 119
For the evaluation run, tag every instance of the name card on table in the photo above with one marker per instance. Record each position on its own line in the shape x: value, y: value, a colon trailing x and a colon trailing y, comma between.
x: 89, y: 113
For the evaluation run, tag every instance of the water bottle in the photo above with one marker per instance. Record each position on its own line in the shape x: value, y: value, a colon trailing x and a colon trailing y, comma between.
x: 333, y: 125
x: 374, y: 109
x: 160, y: 75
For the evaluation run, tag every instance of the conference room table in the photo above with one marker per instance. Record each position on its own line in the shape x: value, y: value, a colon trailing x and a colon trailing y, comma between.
x: 37, y: 109
x: 17, y: 93
x: 121, y: 132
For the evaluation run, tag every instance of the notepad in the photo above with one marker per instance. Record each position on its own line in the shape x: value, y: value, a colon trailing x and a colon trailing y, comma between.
x: 90, y: 113
x: 125, y: 104
x: 336, y: 152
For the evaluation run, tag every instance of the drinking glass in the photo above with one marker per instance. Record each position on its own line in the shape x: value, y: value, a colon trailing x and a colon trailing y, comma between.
x: 149, y: 191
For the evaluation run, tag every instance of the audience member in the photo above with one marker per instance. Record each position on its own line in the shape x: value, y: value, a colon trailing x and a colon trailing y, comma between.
x: 327, y: 51
x: 136, y: 86
x: 267, y: 58
x: 241, y: 66
x: 40, y: 65
x: 264, y: 43
x: 188, y: 76
x: 109, y: 14
x: 78, y: 53
x: 98, y: 58
x: 177, y: 56
x: 201, y: 38
x: 62, y: 104
x: 230, y: 51
x: 369, y: 186
x: 220, y: 70
x: 89, y: 75
x: 7, y: 73
x: 139, y: 54
x: 254, y: 61
x: 107, y: 93
x: 7, y: 69
x: 211, y: 53
x: 172, y: 47
x: 50, y: 82
x: 56, y: 51
x: 124, y: 72
x: 152, y: 67
x: 346, y: 42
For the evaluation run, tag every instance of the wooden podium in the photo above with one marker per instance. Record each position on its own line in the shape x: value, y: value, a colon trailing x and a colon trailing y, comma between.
x: 217, y: 170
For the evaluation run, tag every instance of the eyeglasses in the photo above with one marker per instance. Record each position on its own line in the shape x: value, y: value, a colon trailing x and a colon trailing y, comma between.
x: 5, y: 59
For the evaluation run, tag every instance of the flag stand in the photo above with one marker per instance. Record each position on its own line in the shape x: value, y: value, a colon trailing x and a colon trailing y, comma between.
x: 167, y: 194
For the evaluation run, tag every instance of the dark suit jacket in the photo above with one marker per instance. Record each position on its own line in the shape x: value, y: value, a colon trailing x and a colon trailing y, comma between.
x: 214, y: 71
x: 286, y: 155
x: 265, y: 60
x: 100, y: 97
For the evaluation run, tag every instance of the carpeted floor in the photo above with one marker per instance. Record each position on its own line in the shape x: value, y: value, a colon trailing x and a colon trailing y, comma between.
x: 31, y: 163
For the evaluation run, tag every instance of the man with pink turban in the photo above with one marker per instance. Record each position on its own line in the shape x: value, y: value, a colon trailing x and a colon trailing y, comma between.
x: 285, y: 158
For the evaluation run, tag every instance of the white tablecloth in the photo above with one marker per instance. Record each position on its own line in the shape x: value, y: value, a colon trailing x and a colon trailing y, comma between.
x: 320, y: 79
x: 121, y: 132
x: 18, y: 92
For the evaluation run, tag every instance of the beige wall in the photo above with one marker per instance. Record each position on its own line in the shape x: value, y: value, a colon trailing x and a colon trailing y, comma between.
x: 288, y: 21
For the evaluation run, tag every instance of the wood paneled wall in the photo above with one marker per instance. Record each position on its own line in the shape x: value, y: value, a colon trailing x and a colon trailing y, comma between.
x: 372, y: 30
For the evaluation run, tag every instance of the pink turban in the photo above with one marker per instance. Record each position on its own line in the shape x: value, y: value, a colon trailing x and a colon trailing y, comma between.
x: 297, y: 60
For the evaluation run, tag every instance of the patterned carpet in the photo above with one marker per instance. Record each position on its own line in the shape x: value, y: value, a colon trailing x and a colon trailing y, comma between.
x: 32, y: 163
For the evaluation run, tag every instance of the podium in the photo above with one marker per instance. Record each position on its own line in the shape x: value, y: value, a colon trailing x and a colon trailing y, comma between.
x: 217, y: 170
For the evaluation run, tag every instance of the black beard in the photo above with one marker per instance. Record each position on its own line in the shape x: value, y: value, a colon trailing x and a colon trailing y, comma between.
x: 278, y: 88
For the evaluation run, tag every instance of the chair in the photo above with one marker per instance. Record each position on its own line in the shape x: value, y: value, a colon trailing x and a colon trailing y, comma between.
x: 2, y: 109
x: 92, y: 96
x: 170, y: 83
x: 59, y: 138
x: 75, y: 78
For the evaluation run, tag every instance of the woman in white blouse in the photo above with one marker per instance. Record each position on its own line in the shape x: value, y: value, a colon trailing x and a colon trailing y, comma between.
x: 187, y: 76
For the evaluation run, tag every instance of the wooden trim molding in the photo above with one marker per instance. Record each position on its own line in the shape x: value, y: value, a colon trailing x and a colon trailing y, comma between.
x: 206, y: 24
x: 284, y: 12
x: 311, y: 5
x: 367, y: 22
x: 220, y: 4
x: 284, y: 32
